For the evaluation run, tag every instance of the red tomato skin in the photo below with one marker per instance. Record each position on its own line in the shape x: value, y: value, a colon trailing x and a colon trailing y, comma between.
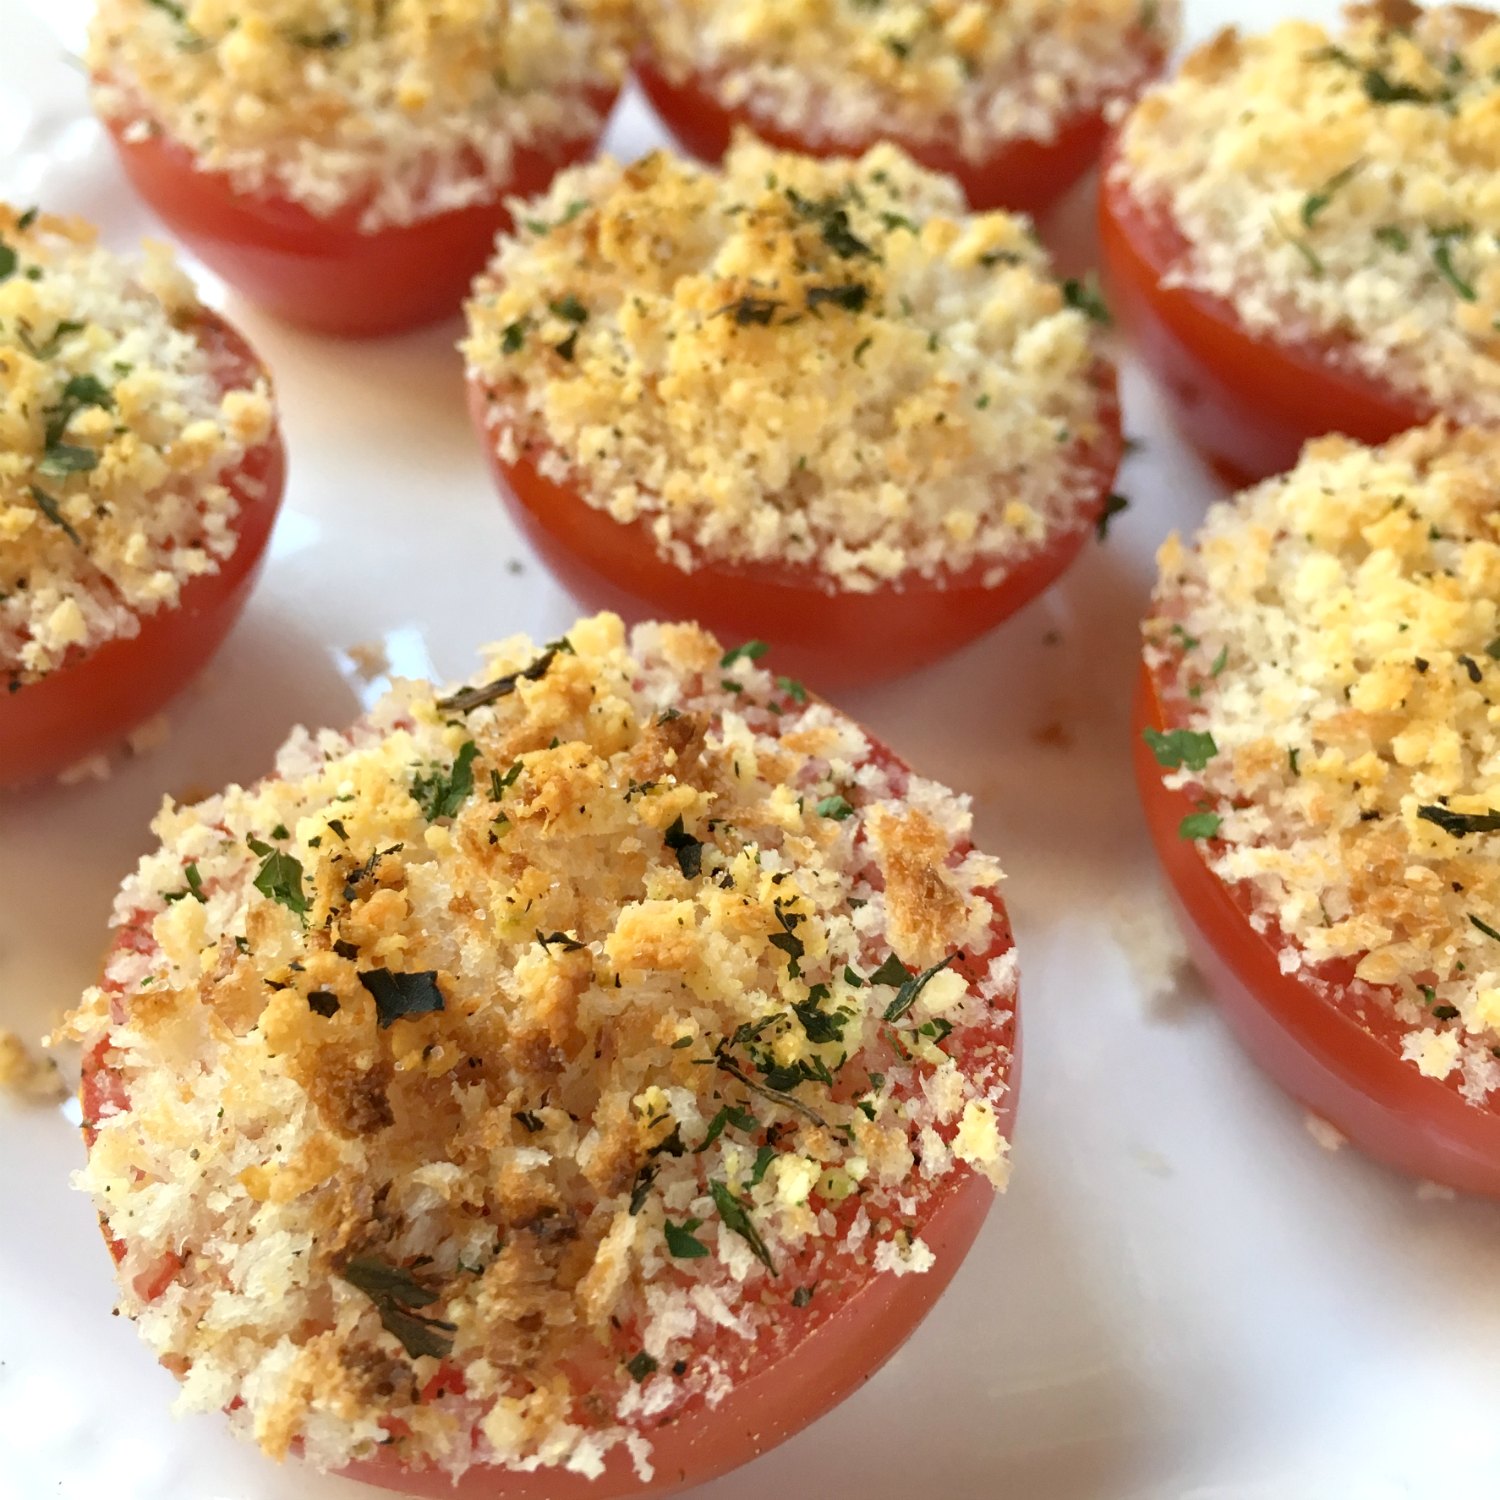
x: 1341, y: 1060
x: 324, y: 273
x: 1246, y: 401
x: 93, y: 700
x: 833, y: 640
x: 1023, y: 176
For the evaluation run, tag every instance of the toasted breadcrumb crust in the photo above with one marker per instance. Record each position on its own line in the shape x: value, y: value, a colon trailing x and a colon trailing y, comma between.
x: 650, y: 906
x: 823, y: 363
x: 971, y: 74
x: 116, y: 433
x: 1341, y: 188
x: 403, y: 108
x: 1337, y: 633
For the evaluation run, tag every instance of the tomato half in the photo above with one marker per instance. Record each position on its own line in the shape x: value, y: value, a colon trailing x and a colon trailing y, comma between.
x: 96, y: 697
x: 837, y: 638
x: 1248, y: 401
x: 1332, y: 1045
x: 1025, y: 176
x: 324, y: 272
x: 799, y: 1367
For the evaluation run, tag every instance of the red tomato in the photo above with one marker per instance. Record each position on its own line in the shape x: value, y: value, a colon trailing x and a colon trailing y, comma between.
x: 1334, y: 1051
x: 1026, y: 176
x: 96, y: 697
x: 325, y: 273
x: 1248, y: 401
x: 808, y: 1361
x: 830, y: 638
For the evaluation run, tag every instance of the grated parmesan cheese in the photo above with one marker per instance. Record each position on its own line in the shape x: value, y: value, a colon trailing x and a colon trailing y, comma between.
x: 970, y: 74
x: 399, y: 108
x: 1337, y: 633
x: 117, y: 432
x: 1340, y: 188
x: 828, y: 364
x: 526, y: 1032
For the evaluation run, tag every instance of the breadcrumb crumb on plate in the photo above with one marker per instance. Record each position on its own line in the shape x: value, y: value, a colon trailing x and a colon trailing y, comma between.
x: 1317, y: 714
x: 587, y: 1046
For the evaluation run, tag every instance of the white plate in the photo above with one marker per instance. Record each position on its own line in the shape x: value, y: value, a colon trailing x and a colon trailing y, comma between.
x: 1182, y: 1295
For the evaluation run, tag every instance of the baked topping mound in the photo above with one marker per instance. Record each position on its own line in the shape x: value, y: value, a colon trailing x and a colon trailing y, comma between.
x: 1331, y: 645
x: 491, y: 1078
x: 1338, y: 188
x: 400, y: 109
x: 828, y: 364
x: 121, y: 426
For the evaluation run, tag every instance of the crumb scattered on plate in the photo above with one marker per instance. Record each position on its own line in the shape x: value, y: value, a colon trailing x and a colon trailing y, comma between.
x: 26, y: 1076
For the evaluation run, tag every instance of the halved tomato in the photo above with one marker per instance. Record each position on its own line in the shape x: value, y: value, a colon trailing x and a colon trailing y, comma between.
x: 325, y: 272
x: 820, y: 1349
x: 96, y: 697
x: 1247, y: 400
x: 1023, y: 175
x: 830, y: 636
x: 1332, y: 1043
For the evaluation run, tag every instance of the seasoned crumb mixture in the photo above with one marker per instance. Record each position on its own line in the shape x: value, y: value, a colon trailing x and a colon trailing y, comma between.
x: 405, y: 107
x: 116, y: 432
x: 822, y: 363
x: 973, y: 74
x: 1335, y: 640
x: 1340, y: 187
x: 600, y: 1017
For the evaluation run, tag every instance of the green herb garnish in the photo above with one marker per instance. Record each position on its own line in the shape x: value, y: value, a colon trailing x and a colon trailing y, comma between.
x: 441, y: 793
x: 1181, y: 747
x: 279, y: 878
x: 737, y: 1221
x: 395, y: 1293
x: 397, y: 994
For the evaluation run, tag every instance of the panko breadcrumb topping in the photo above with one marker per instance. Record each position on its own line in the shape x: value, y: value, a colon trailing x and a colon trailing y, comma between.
x: 969, y: 74
x: 1340, y: 188
x: 1334, y: 640
x: 823, y: 363
x: 402, y: 108
x: 117, y: 430
x: 609, y: 1017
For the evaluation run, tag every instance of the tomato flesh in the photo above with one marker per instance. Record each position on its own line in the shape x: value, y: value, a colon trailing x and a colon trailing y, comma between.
x: 802, y: 1365
x: 1246, y: 400
x: 1024, y: 176
x: 837, y: 639
x: 97, y: 697
x: 325, y: 273
x: 1334, y: 1051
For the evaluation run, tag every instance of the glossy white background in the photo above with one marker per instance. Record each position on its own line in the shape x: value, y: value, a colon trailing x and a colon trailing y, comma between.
x: 1181, y: 1296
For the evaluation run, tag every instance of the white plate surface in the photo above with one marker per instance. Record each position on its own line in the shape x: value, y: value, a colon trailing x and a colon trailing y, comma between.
x: 1181, y: 1296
